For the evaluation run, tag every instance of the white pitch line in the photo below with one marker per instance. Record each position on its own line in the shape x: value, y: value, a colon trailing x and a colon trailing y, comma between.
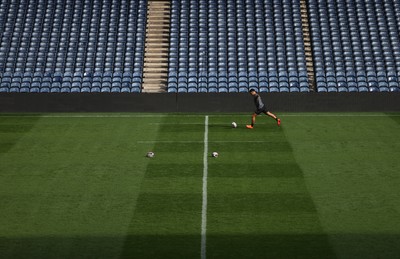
x: 194, y: 141
x: 338, y: 115
x: 87, y: 116
x: 204, y: 206
x: 185, y: 123
x: 167, y: 141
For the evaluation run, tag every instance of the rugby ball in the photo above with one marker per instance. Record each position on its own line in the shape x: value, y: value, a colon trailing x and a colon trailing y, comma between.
x: 234, y: 125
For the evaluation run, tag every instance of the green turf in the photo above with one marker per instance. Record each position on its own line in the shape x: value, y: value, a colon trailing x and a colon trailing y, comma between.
x: 79, y: 186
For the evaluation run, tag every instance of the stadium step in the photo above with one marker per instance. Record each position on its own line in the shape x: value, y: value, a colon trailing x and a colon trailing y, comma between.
x: 155, y: 69
x: 305, y: 22
x: 156, y: 56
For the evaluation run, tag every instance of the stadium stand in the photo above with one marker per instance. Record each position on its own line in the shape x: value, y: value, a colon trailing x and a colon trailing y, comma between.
x: 356, y: 45
x: 72, y: 46
x: 214, y: 46
x: 234, y: 45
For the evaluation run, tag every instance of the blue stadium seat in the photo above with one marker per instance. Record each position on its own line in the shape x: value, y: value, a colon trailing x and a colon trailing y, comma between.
x: 46, y: 43
x: 235, y: 44
x: 224, y: 40
x: 363, y: 44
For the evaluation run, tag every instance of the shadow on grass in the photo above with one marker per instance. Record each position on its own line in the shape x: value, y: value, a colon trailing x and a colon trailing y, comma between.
x: 394, y: 116
x: 13, y: 128
x: 188, y: 246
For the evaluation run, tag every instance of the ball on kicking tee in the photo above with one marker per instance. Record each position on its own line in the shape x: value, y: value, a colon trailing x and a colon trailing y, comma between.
x: 234, y: 125
x: 214, y: 154
x: 150, y: 154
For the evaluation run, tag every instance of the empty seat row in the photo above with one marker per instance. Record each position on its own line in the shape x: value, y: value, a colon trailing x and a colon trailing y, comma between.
x: 215, y: 46
x: 236, y: 36
x: 356, y: 45
x: 71, y: 82
x: 83, y: 36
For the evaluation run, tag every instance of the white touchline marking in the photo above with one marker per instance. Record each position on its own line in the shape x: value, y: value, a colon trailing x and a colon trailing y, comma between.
x: 337, y: 115
x: 83, y: 116
x: 204, y: 206
x: 178, y: 123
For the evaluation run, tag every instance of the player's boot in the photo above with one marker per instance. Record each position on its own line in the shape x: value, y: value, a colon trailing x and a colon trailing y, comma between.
x: 249, y: 126
x: 279, y: 122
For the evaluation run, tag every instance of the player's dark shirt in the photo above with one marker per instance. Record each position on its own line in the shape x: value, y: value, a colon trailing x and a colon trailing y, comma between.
x: 258, y: 102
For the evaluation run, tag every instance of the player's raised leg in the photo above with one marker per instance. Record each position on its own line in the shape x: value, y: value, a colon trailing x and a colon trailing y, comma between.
x: 270, y: 114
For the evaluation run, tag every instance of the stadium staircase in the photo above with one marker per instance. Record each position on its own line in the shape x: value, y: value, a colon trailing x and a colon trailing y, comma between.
x: 307, y: 44
x: 156, y: 47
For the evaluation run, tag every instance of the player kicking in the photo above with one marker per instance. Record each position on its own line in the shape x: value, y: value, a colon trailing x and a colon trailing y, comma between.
x: 260, y: 106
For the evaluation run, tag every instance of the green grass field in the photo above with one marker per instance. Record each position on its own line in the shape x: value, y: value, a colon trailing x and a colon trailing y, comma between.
x: 324, y: 185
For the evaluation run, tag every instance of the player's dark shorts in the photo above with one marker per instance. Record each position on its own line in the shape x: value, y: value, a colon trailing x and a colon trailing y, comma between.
x: 262, y: 110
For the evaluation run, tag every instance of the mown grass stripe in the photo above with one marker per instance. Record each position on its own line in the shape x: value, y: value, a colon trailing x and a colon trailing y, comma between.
x: 255, y: 203
x: 258, y: 169
x: 257, y: 189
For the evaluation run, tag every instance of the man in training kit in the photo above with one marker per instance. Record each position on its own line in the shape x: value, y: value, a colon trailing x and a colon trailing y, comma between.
x: 260, y: 106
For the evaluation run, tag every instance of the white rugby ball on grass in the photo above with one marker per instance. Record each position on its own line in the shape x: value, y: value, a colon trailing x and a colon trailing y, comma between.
x: 150, y: 154
x: 214, y: 154
x: 234, y: 125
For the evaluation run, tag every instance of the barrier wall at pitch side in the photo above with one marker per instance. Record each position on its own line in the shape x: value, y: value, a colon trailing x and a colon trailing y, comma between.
x: 198, y: 102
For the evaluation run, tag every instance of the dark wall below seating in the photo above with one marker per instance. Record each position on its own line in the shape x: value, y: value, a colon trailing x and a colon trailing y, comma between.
x: 231, y: 102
